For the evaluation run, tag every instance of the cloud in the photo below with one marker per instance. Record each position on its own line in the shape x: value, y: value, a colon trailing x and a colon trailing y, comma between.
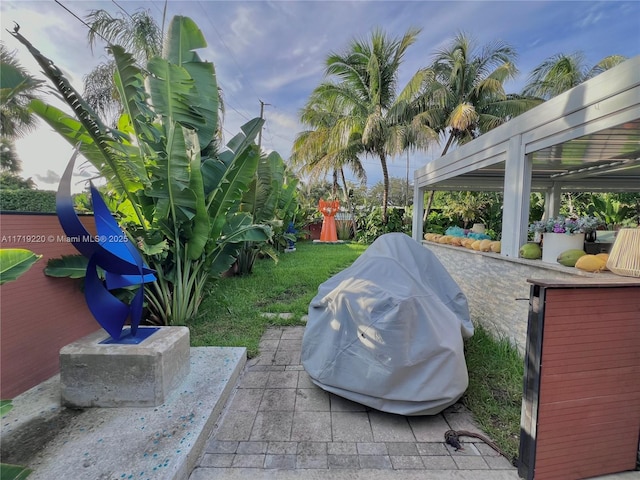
x: 275, y: 51
x: 49, y: 178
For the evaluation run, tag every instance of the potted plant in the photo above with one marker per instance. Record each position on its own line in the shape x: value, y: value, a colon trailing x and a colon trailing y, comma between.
x: 562, y: 233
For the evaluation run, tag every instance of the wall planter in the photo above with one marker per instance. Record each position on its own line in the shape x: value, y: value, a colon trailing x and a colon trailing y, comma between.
x: 556, y: 243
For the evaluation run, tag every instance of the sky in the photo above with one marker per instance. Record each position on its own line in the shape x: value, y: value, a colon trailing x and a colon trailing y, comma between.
x: 275, y: 51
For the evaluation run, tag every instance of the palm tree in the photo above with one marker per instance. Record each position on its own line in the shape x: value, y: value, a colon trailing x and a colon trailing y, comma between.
x: 9, y: 160
x: 562, y: 72
x: 138, y: 33
x: 318, y: 152
x: 18, y: 88
x: 370, y: 115
x: 463, y: 93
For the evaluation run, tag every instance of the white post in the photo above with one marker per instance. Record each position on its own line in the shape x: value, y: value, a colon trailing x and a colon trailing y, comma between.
x: 418, y: 211
x: 517, y: 189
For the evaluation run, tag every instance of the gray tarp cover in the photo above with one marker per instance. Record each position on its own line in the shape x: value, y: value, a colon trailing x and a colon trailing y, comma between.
x: 387, y: 331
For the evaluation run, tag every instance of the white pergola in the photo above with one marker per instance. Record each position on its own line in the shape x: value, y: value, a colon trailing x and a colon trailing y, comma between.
x: 586, y: 139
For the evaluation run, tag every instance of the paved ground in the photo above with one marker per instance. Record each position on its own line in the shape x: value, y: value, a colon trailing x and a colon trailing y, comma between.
x: 278, y: 424
x: 141, y: 443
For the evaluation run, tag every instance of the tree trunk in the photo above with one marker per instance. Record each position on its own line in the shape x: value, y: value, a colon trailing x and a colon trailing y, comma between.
x: 385, y: 192
x: 427, y: 209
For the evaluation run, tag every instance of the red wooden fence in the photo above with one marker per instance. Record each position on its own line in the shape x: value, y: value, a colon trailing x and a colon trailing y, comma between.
x: 38, y: 314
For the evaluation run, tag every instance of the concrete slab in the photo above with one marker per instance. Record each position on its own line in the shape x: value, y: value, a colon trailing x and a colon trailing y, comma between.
x: 95, y: 374
x: 348, y: 474
x: 157, y: 443
x: 367, y: 474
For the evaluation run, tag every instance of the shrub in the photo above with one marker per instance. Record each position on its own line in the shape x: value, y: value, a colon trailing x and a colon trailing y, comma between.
x: 370, y: 225
x: 38, y: 201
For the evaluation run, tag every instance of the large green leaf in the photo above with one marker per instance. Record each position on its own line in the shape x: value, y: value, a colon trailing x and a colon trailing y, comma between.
x: 13, y: 472
x: 234, y: 183
x: 261, y: 200
x: 184, y: 37
x: 176, y: 202
x: 14, y: 262
x: 238, y: 229
x: 173, y: 94
x: 207, y: 100
x: 104, y: 138
x: 242, y: 140
x: 67, y: 266
x: 119, y: 163
x: 287, y: 202
x: 129, y: 83
x: 200, y: 231
x: 5, y: 407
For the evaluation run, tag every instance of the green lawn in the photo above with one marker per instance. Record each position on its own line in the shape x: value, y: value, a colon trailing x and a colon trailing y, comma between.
x: 230, y: 316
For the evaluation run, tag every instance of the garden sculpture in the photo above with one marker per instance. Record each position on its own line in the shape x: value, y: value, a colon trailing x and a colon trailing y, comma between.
x: 328, y: 208
x: 109, y: 250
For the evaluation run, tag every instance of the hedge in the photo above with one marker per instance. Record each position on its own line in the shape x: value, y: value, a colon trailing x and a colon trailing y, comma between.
x: 31, y: 201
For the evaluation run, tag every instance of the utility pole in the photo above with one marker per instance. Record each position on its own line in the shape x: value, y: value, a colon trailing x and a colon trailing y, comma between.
x: 262, y: 104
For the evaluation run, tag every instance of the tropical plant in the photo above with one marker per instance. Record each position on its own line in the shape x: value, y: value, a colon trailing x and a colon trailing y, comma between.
x: 318, y: 153
x: 178, y: 194
x: 371, y: 225
x: 609, y: 210
x: 12, y: 181
x: 17, y: 89
x: 397, y: 192
x: 14, y: 262
x: 463, y: 92
x: 562, y: 72
x: 9, y: 160
x: 138, y: 33
x: 367, y: 114
x: 270, y: 200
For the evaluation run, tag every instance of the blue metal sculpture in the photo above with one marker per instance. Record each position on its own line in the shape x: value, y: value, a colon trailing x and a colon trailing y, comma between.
x: 110, y: 250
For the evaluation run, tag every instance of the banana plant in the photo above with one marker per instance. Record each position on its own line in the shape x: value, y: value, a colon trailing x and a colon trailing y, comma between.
x: 178, y: 192
x: 609, y: 210
x: 270, y: 200
x: 14, y: 262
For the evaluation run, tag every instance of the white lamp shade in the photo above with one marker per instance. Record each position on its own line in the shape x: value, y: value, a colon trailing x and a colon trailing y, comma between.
x: 624, y: 258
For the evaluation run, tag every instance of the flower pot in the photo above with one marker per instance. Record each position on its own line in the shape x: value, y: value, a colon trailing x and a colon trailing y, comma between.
x: 556, y: 243
x: 478, y: 228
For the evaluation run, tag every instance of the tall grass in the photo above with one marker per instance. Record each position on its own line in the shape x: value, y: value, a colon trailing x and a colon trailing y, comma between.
x: 230, y: 316
x: 494, y: 395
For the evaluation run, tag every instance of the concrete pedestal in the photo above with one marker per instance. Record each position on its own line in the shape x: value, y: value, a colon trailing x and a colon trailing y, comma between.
x: 93, y: 374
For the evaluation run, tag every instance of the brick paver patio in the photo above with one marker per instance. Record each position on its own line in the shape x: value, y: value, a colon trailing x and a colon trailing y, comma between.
x: 278, y: 419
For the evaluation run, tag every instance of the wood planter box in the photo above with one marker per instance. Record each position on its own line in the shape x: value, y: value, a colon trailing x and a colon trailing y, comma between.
x: 581, y: 403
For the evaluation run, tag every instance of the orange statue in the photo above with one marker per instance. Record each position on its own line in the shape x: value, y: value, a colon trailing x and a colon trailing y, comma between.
x: 328, y: 210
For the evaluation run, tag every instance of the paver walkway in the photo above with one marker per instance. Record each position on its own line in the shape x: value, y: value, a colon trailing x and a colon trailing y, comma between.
x: 278, y: 420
